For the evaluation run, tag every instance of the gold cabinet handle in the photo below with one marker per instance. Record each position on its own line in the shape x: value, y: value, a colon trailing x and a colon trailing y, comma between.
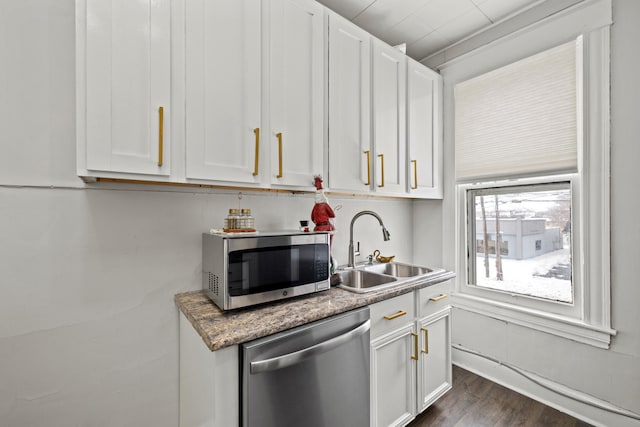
x: 368, y: 153
x: 415, y: 174
x: 382, y: 169
x: 438, y: 298
x: 279, y: 136
x: 160, y: 134
x: 256, y: 131
x: 395, y: 316
x: 425, y: 333
x: 414, y: 356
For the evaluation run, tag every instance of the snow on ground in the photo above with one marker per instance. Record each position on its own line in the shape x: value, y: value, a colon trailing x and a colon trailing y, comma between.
x: 524, y: 276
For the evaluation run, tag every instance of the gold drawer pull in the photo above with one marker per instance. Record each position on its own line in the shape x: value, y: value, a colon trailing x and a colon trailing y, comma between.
x: 395, y: 316
x: 382, y: 170
x: 414, y: 356
x: 368, y: 153
x: 425, y: 333
x: 415, y: 174
x: 160, y: 135
x: 256, y: 131
x: 438, y: 298
x: 279, y: 136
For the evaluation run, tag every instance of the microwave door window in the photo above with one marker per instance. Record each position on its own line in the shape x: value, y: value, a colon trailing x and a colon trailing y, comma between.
x: 265, y: 269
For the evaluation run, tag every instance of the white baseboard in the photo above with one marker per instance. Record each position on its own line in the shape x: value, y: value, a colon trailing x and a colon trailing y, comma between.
x: 506, y: 377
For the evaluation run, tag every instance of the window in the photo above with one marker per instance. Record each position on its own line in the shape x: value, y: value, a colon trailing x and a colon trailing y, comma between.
x: 521, y: 120
x: 521, y: 218
x: 530, y: 146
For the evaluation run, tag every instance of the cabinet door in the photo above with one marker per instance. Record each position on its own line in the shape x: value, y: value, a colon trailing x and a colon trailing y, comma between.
x: 297, y: 77
x: 223, y: 90
x: 434, y: 371
x: 124, y: 85
x: 424, y: 134
x: 389, y: 120
x: 350, y: 153
x: 393, y: 378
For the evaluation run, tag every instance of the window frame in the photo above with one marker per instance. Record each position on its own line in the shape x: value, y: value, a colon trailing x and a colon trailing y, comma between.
x: 472, y: 246
x: 591, y: 322
x: 466, y: 263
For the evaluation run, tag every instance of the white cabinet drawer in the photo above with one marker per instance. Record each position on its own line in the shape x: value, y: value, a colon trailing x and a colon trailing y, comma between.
x: 433, y: 298
x: 391, y: 314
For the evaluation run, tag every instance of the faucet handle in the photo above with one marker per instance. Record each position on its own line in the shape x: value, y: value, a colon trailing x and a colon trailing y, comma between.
x: 357, y: 251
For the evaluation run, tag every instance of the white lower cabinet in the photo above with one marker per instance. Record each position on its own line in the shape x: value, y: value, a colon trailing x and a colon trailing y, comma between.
x: 209, y: 382
x: 393, y: 378
x: 410, y: 364
x: 410, y: 356
x: 434, y: 365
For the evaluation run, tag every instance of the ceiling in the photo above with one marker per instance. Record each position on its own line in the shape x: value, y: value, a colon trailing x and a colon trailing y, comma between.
x: 426, y: 26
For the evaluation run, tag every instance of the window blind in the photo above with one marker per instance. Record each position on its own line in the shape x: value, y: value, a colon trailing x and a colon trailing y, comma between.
x: 520, y: 119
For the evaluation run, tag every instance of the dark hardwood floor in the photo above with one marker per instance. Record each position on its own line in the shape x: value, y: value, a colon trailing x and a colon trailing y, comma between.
x: 476, y: 401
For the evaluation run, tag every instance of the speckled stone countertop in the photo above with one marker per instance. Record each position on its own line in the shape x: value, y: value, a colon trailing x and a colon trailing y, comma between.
x: 220, y: 329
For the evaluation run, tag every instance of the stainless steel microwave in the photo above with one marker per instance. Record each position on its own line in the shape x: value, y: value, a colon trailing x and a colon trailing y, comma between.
x: 240, y: 270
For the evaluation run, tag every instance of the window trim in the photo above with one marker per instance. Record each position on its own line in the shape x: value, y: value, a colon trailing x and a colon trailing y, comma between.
x: 592, y: 325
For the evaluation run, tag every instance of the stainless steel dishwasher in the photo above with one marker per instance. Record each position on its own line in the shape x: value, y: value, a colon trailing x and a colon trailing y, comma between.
x: 313, y: 375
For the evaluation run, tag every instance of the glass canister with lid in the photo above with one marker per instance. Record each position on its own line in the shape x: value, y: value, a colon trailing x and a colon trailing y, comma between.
x: 247, y: 222
x: 239, y: 220
x: 231, y: 222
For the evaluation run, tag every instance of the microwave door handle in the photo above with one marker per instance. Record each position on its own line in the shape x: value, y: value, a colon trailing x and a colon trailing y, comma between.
x: 300, y: 355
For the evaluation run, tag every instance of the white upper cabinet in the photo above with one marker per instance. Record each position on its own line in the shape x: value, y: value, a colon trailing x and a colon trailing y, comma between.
x: 350, y: 153
x: 223, y: 84
x: 123, y: 86
x: 424, y: 132
x: 389, y: 118
x: 270, y: 93
x: 296, y: 91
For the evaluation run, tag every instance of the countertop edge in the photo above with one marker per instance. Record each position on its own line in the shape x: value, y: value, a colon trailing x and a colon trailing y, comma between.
x: 219, y: 329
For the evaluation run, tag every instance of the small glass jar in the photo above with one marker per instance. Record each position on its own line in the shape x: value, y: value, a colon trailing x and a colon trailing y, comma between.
x: 242, y: 220
x: 231, y: 222
x: 247, y: 219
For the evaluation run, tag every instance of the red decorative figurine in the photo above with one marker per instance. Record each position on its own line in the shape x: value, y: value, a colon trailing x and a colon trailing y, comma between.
x: 322, y: 214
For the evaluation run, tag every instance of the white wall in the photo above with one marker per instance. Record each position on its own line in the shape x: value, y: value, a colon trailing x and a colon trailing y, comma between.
x: 88, y: 327
x: 608, y: 375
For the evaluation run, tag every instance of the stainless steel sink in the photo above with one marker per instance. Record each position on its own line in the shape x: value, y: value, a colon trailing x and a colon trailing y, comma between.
x: 362, y: 279
x: 397, y: 269
x: 369, y: 278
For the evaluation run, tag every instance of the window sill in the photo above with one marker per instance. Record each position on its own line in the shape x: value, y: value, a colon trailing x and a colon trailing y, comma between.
x: 573, y: 329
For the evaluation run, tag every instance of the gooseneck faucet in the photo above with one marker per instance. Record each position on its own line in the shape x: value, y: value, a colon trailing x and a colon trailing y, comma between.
x: 385, y: 233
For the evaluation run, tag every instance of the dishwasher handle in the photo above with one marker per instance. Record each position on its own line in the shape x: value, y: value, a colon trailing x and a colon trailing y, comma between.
x: 300, y: 355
